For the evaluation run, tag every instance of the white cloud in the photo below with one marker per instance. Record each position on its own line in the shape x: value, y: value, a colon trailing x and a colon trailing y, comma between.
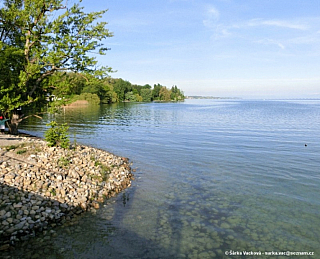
x: 212, y: 17
x: 214, y: 13
x: 281, y: 45
x: 278, y: 23
x: 303, y: 28
x: 271, y: 42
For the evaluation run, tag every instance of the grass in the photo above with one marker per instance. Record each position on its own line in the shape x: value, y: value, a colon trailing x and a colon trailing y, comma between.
x: 63, y: 161
x: 104, y: 171
x: 25, y: 149
x: 12, y: 147
x: 20, y: 152
x: 53, y: 192
x: 97, y: 163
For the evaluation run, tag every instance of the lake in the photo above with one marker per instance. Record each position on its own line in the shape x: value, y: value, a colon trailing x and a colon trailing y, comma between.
x: 212, y: 177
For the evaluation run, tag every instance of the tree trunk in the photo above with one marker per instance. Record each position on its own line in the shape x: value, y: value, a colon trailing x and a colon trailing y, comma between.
x: 13, y: 125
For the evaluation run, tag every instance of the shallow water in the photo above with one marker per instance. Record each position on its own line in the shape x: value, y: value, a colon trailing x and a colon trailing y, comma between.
x: 212, y: 176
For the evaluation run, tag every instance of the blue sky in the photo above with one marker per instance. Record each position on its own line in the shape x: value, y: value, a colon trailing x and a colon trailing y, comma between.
x: 234, y: 48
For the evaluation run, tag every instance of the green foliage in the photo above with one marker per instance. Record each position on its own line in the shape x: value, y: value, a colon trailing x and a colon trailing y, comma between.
x: 20, y: 152
x: 131, y: 97
x: 12, y: 147
x: 120, y: 87
x: 63, y: 161
x: 165, y: 94
x: 146, y: 95
x: 104, y: 171
x: 66, y: 84
x: 53, y: 191
x: 46, y: 50
x: 156, y: 91
x: 39, y: 41
x: 91, y: 98
x: 176, y: 94
x: 138, y: 98
x: 57, y: 135
x: 96, y: 85
x: 109, y: 90
x: 55, y: 106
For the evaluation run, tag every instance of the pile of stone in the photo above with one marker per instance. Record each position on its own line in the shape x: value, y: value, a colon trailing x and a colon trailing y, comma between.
x: 41, y: 186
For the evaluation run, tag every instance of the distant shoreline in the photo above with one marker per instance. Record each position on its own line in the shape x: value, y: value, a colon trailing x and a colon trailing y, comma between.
x: 209, y: 97
x: 190, y: 97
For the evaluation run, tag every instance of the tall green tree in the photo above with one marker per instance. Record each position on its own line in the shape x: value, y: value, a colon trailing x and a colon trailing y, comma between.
x: 66, y: 84
x: 146, y: 94
x: 165, y: 94
x: 176, y: 94
x: 156, y: 91
x: 38, y: 38
x: 121, y: 87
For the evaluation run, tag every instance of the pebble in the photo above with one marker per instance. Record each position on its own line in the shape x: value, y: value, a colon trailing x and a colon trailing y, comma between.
x: 53, y: 185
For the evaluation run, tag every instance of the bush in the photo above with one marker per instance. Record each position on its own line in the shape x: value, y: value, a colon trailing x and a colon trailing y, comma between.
x: 91, y: 98
x: 57, y: 135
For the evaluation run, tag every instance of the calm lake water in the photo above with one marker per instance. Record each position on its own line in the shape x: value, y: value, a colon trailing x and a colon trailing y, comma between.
x: 212, y: 176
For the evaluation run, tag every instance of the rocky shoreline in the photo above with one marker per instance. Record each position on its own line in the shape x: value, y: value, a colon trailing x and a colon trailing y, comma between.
x: 42, y: 187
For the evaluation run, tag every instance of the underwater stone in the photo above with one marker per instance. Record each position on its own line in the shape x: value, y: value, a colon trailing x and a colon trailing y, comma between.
x: 225, y: 225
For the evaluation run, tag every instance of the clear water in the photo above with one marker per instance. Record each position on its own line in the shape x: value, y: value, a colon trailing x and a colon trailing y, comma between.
x: 212, y: 176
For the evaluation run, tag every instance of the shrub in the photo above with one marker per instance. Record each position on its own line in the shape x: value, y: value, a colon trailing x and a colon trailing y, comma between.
x: 20, y: 152
x: 63, y: 161
x: 91, y: 98
x: 57, y: 135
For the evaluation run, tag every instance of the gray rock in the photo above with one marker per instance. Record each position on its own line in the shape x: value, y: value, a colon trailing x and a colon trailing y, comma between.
x: 20, y: 225
x: 56, y: 193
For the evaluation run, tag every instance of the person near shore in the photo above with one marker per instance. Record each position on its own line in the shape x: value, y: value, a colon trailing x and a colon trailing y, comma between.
x: 2, y: 123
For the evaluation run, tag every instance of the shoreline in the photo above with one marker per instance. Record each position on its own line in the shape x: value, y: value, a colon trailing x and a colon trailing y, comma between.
x: 42, y: 187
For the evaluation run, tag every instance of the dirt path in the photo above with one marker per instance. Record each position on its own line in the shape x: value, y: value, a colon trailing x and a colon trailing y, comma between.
x: 9, y: 140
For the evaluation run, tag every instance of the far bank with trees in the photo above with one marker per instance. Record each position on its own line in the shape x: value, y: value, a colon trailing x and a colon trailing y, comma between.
x: 48, y: 47
x: 75, y: 86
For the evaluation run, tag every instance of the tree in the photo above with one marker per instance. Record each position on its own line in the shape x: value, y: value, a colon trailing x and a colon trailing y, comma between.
x: 38, y: 38
x: 130, y: 96
x: 165, y: 94
x: 121, y: 87
x: 176, y: 94
x: 66, y: 84
x: 146, y: 94
x: 156, y: 91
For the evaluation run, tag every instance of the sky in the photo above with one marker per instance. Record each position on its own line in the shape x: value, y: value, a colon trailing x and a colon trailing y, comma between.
x: 222, y: 48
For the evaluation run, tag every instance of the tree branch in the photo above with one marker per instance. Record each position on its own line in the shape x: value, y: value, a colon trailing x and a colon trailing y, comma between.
x: 26, y: 117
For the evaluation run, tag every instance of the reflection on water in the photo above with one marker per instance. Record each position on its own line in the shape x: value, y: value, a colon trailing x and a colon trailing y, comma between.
x: 212, y: 176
